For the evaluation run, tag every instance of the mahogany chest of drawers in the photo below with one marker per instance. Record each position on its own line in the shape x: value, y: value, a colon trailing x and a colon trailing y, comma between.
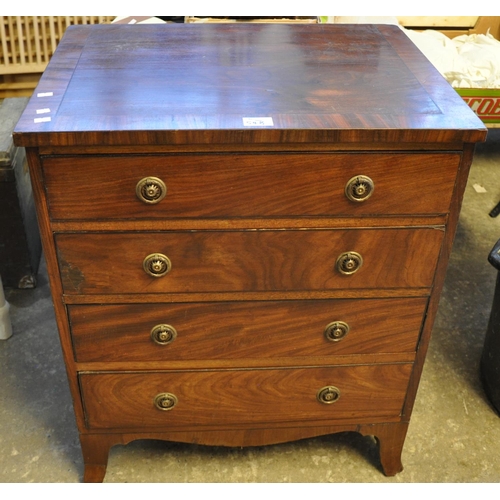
x: 246, y: 228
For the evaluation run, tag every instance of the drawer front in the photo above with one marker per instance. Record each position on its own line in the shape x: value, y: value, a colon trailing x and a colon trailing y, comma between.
x: 236, y: 330
x: 244, y: 185
x: 242, y: 397
x: 210, y: 261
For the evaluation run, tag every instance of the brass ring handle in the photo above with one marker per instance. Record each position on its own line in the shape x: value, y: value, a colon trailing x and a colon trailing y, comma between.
x: 151, y: 190
x: 336, y: 331
x: 163, y: 334
x: 165, y: 401
x: 156, y: 265
x: 359, y: 188
x: 328, y: 395
x: 349, y: 262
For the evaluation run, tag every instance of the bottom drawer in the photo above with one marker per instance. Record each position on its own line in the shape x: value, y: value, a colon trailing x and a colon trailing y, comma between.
x: 242, y: 397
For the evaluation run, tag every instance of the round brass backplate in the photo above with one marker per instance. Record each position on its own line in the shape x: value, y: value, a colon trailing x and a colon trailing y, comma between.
x: 151, y: 190
x: 349, y: 262
x: 336, y: 331
x: 163, y: 334
x: 156, y: 265
x: 165, y: 401
x: 359, y: 188
x: 328, y: 395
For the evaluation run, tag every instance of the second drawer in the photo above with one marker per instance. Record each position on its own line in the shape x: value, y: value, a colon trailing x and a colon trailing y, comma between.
x: 235, y: 261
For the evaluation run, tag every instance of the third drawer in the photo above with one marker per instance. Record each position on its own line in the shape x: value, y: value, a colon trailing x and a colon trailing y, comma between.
x: 237, y: 330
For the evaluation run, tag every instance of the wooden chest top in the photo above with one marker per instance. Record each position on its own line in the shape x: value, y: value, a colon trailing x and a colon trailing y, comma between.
x: 265, y: 83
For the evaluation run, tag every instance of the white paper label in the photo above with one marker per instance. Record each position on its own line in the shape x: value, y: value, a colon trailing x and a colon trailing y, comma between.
x: 42, y: 111
x: 45, y: 94
x: 265, y: 121
x: 40, y: 120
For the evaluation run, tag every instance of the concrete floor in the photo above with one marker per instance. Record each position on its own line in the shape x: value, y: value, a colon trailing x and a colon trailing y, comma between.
x: 454, y: 436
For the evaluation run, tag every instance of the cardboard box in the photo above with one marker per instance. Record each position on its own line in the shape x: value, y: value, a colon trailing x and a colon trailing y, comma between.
x: 484, y: 102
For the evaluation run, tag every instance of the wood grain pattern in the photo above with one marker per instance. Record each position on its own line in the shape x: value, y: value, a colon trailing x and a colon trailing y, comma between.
x: 253, y: 222
x: 456, y: 204
x: 256, y: 363
x: 390, y: 435
x: 240, y: 223
x: 391, y: 438
x: 247, y: 261
x: 248, y: 185
x: 242, y: 397
x: 319, y: 83
x: 236, y: 330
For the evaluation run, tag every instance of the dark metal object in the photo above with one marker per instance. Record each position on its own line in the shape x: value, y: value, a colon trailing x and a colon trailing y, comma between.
x: 490, y: 359
x: 495, y: 211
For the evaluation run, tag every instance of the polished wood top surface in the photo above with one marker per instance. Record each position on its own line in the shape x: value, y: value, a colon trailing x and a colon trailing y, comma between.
x: 180, y: 83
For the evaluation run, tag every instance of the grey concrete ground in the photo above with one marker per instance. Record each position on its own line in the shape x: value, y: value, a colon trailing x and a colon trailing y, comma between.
x: 454, y: 436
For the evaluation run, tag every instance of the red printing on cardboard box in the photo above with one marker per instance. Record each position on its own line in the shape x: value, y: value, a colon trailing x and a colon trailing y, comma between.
x: 485, y: 107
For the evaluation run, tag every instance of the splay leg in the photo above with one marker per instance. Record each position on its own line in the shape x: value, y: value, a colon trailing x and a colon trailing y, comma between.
x: 95, y: 448
x: 391, y: 438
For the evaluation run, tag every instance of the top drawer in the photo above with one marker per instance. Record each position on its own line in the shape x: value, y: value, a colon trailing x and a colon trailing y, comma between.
x: 248, y: 185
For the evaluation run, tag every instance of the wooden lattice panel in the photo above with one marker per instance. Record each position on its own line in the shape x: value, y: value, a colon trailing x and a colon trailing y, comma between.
x: 28, y: 42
